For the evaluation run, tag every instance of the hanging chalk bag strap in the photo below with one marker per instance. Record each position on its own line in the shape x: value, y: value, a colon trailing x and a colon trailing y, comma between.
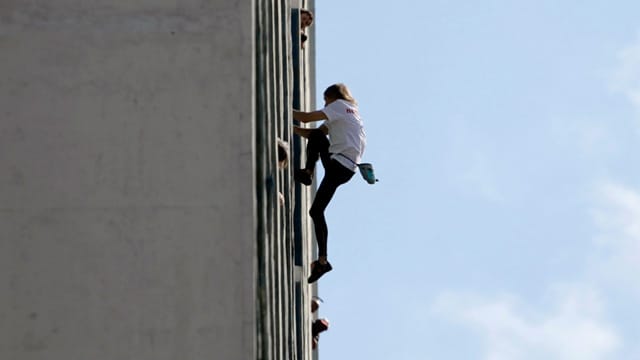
x: 366, y: 170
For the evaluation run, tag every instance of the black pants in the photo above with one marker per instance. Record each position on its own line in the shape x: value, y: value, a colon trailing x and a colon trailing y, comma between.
x: 334, y: 175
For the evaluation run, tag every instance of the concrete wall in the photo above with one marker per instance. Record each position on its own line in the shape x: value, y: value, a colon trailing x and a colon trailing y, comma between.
x: 127, y: 227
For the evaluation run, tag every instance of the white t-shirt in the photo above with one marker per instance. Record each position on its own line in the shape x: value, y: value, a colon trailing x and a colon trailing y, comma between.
x: 346, y: 133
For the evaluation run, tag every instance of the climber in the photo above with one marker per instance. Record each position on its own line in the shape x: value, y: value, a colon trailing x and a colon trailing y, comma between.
x: 340, y: 154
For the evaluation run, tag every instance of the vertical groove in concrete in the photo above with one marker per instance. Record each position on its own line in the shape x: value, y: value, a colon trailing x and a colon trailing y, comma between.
x: 281, y: 314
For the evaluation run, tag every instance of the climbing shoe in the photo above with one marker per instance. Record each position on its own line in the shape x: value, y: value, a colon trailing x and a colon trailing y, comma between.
x: 317, y: 270
x: 302, y: 176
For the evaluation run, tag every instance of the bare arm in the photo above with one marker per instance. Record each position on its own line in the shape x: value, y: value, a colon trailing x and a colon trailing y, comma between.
x: 306, y: 117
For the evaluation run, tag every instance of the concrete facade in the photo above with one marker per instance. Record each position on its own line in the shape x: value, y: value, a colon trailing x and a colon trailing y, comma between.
x: 127, y: 180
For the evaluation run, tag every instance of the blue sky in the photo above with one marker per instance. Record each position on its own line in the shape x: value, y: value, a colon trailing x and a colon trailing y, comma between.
x: 506, y: 223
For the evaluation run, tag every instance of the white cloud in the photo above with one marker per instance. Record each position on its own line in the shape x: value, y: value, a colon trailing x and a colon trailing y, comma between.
x: 573, y: 330
x: 627, y: 77
x: 578, y: 321
x: 621, y: 211
x: 618, y: 242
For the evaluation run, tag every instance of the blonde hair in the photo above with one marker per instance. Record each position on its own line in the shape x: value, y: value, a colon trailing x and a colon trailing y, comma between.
x: 340, y: 91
